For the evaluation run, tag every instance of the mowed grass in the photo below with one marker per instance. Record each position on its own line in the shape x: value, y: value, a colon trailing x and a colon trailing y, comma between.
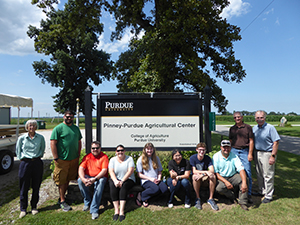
x: 284, y: 209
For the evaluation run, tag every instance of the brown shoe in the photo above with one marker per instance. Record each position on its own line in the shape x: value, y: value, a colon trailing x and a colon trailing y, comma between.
x: 244, y: 207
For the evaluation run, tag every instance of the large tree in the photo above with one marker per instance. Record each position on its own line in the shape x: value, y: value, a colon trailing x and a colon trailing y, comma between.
x: 185, y: 44
x: 70, y: 38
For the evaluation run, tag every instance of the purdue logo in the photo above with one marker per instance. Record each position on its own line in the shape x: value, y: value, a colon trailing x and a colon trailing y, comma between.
x: 118, y: 106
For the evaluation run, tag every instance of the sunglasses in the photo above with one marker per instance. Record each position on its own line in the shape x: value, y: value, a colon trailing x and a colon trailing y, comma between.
x: 69, y: 117
x: 94, y: 148
x: 122, y: 150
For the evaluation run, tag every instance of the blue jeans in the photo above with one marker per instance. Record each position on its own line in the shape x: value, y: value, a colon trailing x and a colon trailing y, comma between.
x: 187, y: 187
x: 243, y: 156
x: 94, y: 201
x: 152, y: 189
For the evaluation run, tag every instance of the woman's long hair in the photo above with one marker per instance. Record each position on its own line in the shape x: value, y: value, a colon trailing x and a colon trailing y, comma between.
x: 145, y: 160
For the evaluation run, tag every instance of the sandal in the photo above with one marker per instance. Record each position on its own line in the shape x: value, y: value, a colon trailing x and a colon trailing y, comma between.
x: 145, y: 204
x: 139, y: 199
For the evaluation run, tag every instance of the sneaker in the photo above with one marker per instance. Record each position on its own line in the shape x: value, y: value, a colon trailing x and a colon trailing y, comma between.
x: 65, y: 206
x: 85, y: 208
x: 198, y: 203
x: 187, y: 206
x: 213, y: 204
x: 170, y: 205
x: 266, y: 200
x: 34, y: 211
x: 244, y: 207
x: 22, y: 214
x: 95, y: 216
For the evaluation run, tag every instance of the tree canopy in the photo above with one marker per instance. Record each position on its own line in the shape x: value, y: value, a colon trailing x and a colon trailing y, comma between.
x: 185, y: 46
x: 75, y: 61
x: 185, y: 41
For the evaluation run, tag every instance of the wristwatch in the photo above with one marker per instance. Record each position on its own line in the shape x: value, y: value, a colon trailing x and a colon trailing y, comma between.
x: 273, y: 155
x: 96, y: 179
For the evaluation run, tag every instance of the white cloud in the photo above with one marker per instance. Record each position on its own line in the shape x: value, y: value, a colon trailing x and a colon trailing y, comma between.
x: 15, y: 17
x: 269, y: 11
x: 277, y: 22
x: 235, y: 8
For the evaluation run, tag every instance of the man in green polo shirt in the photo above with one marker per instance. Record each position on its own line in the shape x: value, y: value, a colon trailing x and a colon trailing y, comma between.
x: 65, y: 146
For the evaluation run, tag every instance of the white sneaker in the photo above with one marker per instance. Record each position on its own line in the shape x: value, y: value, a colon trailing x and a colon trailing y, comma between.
x: 34, y: 211
x: 170, y: 205
x: 22, y: 214
x: 187, y: 206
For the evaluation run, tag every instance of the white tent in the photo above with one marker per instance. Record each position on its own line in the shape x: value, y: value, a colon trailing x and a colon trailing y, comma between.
x: 16, y: 101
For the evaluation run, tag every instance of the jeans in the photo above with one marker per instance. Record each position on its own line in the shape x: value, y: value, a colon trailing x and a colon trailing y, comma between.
x: 94, y: 201
x: 152, y: 189
x: 187, y: 187
x: 243, y: 156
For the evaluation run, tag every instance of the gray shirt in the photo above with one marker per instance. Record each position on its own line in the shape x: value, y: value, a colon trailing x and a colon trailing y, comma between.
x: 149, y: 173
x: 121, y: 168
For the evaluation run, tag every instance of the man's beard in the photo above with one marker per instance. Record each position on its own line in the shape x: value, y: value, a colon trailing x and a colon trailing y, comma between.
x: 68, y: 121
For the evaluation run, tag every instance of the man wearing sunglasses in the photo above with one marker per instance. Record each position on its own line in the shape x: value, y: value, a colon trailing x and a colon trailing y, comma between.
x: 93, y: 171
x: 65, y: 143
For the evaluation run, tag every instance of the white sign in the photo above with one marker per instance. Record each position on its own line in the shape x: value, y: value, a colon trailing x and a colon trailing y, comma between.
x: 163, y: 131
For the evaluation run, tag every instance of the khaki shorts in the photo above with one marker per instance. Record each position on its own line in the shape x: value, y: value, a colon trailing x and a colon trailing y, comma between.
x: 65, y: 170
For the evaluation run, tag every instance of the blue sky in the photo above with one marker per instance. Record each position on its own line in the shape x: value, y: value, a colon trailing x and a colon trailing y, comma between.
x: 269, y: 52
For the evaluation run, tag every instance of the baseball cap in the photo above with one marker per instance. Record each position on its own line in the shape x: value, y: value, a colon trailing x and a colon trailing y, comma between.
x: 225, y: 143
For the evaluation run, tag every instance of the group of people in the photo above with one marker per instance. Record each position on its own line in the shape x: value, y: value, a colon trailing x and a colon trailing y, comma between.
x: 228, y: 172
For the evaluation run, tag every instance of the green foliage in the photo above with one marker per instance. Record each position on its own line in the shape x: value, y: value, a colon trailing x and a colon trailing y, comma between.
x: 182, y: 40
x: 70, y: 38
x: 270, y: 118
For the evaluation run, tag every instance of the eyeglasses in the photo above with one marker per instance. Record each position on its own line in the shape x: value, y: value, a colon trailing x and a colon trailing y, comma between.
x: 69, y: 117
x: 236, y: 117
x: 260, y: 118
x: 95, y: 148
x: 120, y: 150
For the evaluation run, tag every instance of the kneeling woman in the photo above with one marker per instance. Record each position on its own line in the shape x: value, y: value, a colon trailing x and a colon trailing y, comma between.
x: 179, y: 169
x: 149, y: 170
x: 121, y: 168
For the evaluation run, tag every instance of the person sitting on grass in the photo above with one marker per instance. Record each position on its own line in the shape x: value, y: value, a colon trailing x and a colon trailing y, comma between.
x: 203, y: 175
x: 149, y: 169
x: 93, y: 171
x: 179, y: 169
x: 122, y: 179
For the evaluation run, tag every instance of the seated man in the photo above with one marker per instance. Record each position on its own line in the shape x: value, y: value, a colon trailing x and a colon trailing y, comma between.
x: 203, y: 174
x: 93, y: 171
x: 230, y: 174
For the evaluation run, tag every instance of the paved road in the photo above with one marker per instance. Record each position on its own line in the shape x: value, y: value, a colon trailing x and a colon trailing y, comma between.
x: 287, y: 143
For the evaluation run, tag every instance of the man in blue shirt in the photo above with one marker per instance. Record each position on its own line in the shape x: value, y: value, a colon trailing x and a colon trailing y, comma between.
x: 266, y: 141
x: 231, y: 175
x: 203, y: 175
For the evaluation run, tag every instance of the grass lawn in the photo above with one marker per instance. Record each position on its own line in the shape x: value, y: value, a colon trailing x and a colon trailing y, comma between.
x: 285, y: 209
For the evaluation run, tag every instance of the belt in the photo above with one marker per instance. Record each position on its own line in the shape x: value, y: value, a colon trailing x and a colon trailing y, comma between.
x: 241, y: 148
x: 27, y: 159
